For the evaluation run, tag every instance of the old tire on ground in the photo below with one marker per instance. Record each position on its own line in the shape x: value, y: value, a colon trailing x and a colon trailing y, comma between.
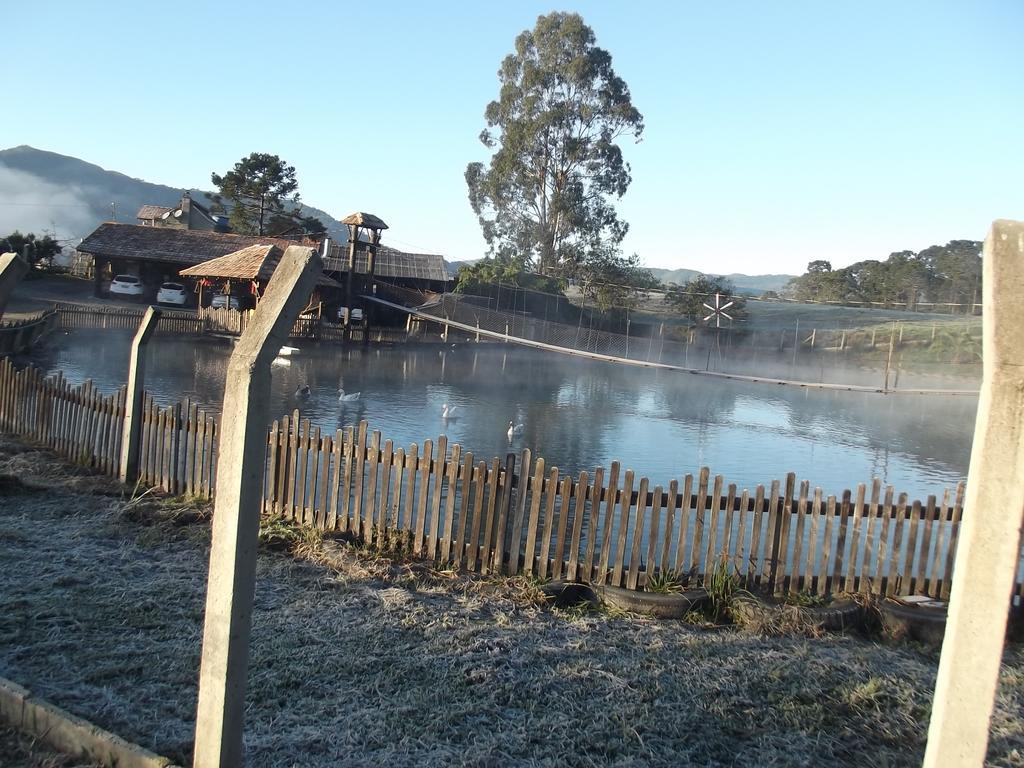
x: 837, y: 616
x: 925, y: 623
x: 777, y: 617
x: 670, y: 605
x: 569, y: 594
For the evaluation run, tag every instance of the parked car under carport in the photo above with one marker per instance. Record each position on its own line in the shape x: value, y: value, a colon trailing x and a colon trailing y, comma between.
x: 127, y: 286
x: 173, y: 294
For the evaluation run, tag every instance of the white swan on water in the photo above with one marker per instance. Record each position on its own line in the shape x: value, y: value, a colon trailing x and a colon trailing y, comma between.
x: 342, y: 397
x: 448, y: 412
x: 514, y: 430
x: 286, y: 351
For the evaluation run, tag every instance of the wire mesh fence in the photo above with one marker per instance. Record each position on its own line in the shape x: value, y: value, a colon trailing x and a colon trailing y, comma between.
x: 834, y: 345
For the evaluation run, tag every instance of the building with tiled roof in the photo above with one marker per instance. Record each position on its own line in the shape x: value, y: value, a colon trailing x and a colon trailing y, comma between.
x: 149, y: 215
x: 158, y: 254
x: 187, y: 214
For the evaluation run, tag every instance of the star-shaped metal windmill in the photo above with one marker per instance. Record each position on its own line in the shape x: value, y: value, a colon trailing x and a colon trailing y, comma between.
x: 718, y: 310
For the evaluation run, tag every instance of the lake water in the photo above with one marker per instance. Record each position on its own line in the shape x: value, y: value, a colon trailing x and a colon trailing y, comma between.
x: 577, y: 414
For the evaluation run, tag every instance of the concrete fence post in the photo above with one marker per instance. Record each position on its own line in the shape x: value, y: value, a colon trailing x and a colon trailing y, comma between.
x: 236, y: 515
x: 12, y: 269
x: 988, y: 550
x: 131, y: 433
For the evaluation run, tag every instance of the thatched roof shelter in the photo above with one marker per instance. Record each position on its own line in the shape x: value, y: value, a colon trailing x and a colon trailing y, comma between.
x: 366, y: 220
x: 254, y: 262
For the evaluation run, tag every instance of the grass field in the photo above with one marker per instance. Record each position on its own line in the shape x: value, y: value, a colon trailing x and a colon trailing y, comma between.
x: 784, y: 314
x: 359, y: 660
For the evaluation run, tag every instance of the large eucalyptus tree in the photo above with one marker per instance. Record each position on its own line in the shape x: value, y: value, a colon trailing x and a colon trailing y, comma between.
x: 546, y: 196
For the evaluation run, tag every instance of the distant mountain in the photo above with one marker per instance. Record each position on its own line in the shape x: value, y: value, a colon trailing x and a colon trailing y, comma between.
x: 754, y: 284
x: 43, y: 191
x: 455, y: 266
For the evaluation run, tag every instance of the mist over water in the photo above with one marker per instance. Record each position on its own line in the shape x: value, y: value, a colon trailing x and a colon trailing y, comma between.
x: 577, y: 414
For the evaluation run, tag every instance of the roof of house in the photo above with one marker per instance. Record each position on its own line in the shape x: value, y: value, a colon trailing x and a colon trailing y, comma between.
x: 113, y: 240
x: 152, y: 211
x: 367, y: 220
x: 203, y: 210
x: 254, y: 262
x: 390, y: 263
x: 187, y: 247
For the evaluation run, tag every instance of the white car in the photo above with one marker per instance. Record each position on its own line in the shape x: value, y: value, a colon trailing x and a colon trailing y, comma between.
x: 172, y: 293
x: 126, y: 285
x: 357, y: 315
x: 224, y: 301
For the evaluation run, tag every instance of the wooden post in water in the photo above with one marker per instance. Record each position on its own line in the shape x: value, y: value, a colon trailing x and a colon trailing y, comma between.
x: 990, y: 534
x: 353, y: 236
x: 131, y: 434
x: 888, y: 359
x: 240, y: 468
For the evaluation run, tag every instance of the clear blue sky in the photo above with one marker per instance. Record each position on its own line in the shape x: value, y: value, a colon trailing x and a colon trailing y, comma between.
x: 776, y: 132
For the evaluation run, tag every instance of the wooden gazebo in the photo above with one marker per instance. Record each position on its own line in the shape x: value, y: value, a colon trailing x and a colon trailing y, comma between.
x: 252, y: 265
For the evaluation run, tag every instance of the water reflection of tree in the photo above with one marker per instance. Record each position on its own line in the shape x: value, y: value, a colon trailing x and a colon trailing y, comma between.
x: 905, y: 424
x: 695, y: 399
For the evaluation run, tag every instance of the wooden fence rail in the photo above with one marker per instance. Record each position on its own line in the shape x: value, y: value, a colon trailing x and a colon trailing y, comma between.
x: 18, y: 336
x: 519, y: 515
x: 71, y: 317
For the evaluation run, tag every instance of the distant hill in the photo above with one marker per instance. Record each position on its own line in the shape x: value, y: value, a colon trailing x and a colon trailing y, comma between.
x: 455, y: 266
x: 43, y: 191
x: 753, y: 284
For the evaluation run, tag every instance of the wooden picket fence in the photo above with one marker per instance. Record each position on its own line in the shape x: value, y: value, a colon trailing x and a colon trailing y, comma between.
x: 519, y: 515
x: 78, y: 316
x: 78, y: 423
x: 17, y: 336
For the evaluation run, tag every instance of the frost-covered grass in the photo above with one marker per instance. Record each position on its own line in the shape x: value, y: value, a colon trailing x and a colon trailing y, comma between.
x: 360, y: 658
